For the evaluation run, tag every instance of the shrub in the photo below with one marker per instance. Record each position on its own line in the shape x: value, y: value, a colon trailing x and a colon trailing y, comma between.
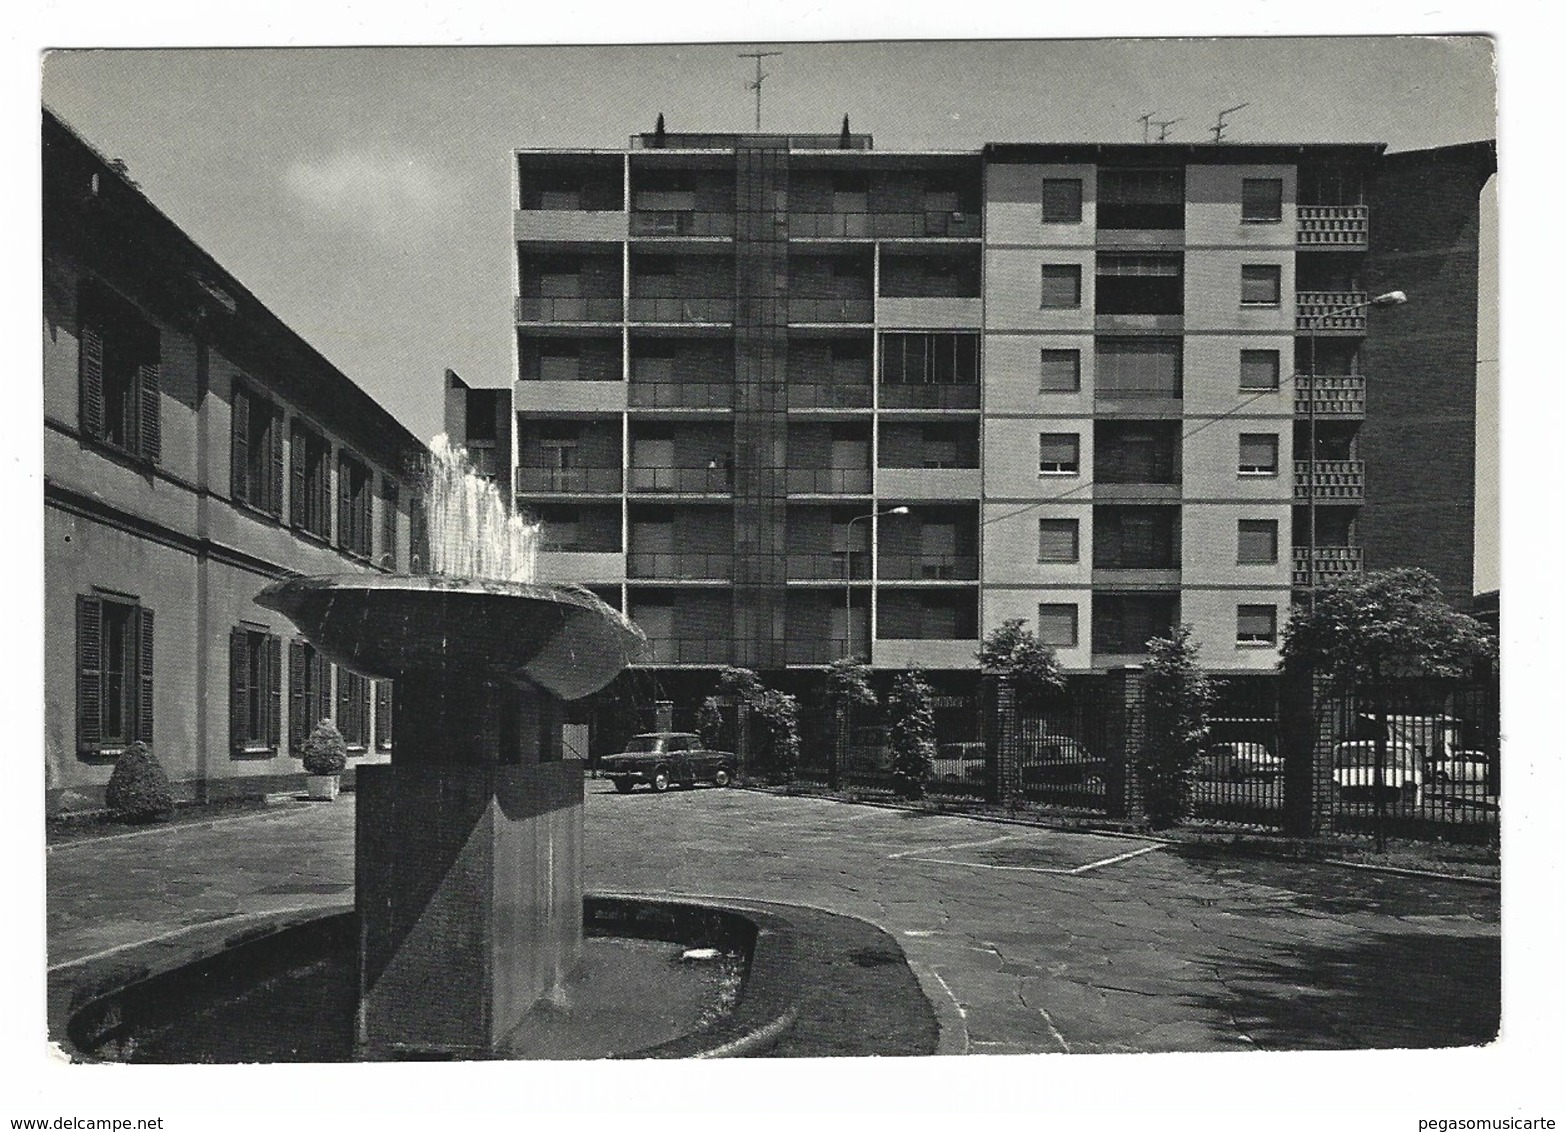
x: 709, y: 723
x: 139, y: 789
x: 1011, y: 649
x: 324, y: 751
x: 1178, y: 692
x: 911, y: 734
x: 775, y: 728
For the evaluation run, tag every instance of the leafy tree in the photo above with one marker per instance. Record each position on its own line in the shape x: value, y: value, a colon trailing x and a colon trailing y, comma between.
x: 709, y: 723
x: 1178, y: 693
x: 848, y: 684
x: 775, y: 727
x: 911, y: 733
x: 1369, y: 630
x: 1012, y: 649
x: 739, y: 684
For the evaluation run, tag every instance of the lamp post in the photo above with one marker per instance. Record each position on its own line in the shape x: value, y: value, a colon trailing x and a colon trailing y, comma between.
x: 848, y: 558
x: 1390, y: 299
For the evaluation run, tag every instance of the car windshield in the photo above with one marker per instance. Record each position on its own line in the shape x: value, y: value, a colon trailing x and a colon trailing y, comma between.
x: 645, y: 744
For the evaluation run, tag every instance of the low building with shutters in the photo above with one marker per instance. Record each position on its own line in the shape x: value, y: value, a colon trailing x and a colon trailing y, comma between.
x: 195, y: 449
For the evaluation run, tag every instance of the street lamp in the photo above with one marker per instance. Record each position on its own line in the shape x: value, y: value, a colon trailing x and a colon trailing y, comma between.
x: 1390, y: 299
x: 848, y: 557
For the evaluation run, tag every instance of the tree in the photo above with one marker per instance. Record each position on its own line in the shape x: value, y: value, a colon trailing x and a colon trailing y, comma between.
x: 709, y: 723
x: 1013, y: 650
x: 847, y: 686
x: 1177, y: 693
x: 911, y: 734
x: 774, y: 721
x: 1365, y: 632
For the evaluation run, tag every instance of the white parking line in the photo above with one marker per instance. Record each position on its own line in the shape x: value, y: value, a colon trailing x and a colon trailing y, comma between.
x: 911, y: 855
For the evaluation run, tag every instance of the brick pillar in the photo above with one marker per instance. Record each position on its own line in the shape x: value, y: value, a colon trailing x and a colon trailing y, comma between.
x: 1298, y: 738
x: 1008, y: 753
x: 1126, y: 732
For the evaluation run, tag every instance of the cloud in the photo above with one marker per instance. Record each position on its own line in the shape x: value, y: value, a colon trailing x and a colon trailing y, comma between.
x: 388, y: 194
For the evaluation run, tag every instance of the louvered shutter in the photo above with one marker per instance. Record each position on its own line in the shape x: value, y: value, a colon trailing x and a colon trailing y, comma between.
x: 238, y: 688
x: 92, y: 380
x: 273, y: 687
x: 296, y: 494
x: 149, y: 422
x: 274, y: 501
x: 344, y: 507
x: 239, y: 458
x: 296, y: 696
x: 89, y: 673
x: 345, y: 705
x: 144, y: 675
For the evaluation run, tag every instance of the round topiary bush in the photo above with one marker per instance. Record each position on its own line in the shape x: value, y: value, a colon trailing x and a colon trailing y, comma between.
x: 324, y: 751
x: 139, y: 789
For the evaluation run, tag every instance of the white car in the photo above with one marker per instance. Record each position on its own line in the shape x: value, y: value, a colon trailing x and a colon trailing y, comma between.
x: 1354, y: 772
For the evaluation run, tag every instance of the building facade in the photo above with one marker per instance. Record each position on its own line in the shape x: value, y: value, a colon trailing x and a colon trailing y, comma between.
x: 785, y: 398
x: 195, y: 449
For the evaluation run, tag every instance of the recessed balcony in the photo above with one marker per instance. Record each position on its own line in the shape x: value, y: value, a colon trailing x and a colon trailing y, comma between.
x: 940, y: 224
x: 829, y: 566
x: 1336, y: 481
x: 681, y: 222
x: 805, y: 309
x: 670, y: 566
x: 710, y: 309
x: 581, y: 566
x: 568, y: 226
x: 681, y: 394
x: 694, y: 479
x: 928, y: 567
x: 573, y: 308
x: 1323, y: 227
x: 1332, y: 563
x: 568, y: 481
x: 829, y: 481
x: 1336, y: 395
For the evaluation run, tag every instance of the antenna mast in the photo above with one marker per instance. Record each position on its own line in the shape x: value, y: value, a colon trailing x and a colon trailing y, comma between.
x: 1163, y: 128
x: 1217, y: 131
x: 758, y: 56
x: 1145, y: 119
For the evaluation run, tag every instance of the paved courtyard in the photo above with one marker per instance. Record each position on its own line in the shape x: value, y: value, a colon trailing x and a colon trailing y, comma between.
x: 1024, y: 940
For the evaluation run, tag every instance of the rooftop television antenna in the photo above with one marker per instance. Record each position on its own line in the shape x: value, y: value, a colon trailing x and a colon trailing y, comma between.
x: 1217, y: 131
x: 1145, y: 119
x: 1163, y: 128
x: 758, y: 56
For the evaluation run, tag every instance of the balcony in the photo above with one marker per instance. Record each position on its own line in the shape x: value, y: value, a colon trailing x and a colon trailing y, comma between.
x: 817, y: 650
x: 1326, y: 226
x: 825, y: 395
x: 1324, y: 310
x: 679, y: 566
x: 581, y: 566
x: 681, y: 394
x: 931, y: 312
x: 930, y: 395
x: 885, y: 225
x: 681, y: 222
x: 568, y: 481
x: 576, y: 308
x: 808, y: 309
x: 931, y: 483
x: 829, y: 481
x: 682, y: 308
x: 929, y: 567
x: 1337, y: 395
x: 567, y: 226
x: 694, y: 479
x: 828, y: 567
x: 708, y: 650
x: 1332, y: 563
x: 570, y: 396
x: 1337, y: 481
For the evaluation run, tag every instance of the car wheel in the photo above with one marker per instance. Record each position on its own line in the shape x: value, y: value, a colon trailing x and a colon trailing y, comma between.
x: 623, y: 785
x: 660, y: 782
x: 721, y: 778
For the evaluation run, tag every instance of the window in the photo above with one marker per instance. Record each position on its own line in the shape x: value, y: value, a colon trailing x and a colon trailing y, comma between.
x: 1062, y: 200
x: 389, y: 502
x: 1261, y: 285
x: 256, y: 452
x: 113, y: 673
x: 1258, y: 454
x: 1137, y: 367
x: 353, y: 506
x: 1059, y: 453
x: 119, y: 373
x: 309, y: 692
x: 1141, y: 198
x: 310, y: 495
x: 930, y: 359
x: 1062, y: 288
x: 1140, y: 283
x: 940, y: 446
x: 1258, y: 542
x: 1258, y: 625
x: 1060, y: 371
x: 383, y: 715
x: 1258, y: 370
x: 255, y: 683
x: 1261, y: 200
x: 353, y: 708
x: 1058, y: 625
x: 1058, y: 540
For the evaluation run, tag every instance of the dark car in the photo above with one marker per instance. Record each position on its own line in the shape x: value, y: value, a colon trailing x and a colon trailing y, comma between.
x: 663, y: 758
x: 1056, y: 760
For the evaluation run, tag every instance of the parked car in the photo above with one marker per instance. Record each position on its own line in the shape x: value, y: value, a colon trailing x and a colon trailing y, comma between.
x: 1354, y: 772
x: 1057, y: 760
x: 663, y: 758
x: 1459, y: 768
x: 960, y: 763
x: 1239, y: 762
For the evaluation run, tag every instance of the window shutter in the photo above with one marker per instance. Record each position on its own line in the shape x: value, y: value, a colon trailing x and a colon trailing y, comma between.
x: 89, y: 673
x: 345, y: 719
x: 149, y: 381
x: 273, y: 687
x: 239, y: 452
x: 92, y: 380
x: 296, y: 494
x: 345, y: 535
x: 238, y: 687
x: 296, y: 696
x: 274, y: 500
x: 144, y: 674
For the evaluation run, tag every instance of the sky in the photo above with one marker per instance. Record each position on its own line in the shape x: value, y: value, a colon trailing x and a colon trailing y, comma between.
x: 364, y: 194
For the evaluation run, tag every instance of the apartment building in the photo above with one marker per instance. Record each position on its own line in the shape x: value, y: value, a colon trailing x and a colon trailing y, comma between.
x: 195, y: 449
x: 786, y: 397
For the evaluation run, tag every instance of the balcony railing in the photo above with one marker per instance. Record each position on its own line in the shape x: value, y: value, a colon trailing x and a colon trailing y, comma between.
x: 694, y: 479
x: 820, y: 395
x: 885, y: 225
x: 1332, y: 563
x: 829, y: 566
x: 695, y: 567
x: 1324, y: 310
x: 682, y: 308
x: 1333, y: 226
x: 830, y: 309
x: 707, y: 650
x: 817, y: 650
x: 829, y: 481
x: 681, y: 394
x: 1335, y: 479
x: 897, y: 395
x: 682, y: 222
x: 569, y: 481
x: 929, y: 567
x: 1337, y: 394
x: 581, y: 308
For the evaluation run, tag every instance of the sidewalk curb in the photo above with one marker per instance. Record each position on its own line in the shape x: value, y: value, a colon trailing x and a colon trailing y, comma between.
x: 272, y: 810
